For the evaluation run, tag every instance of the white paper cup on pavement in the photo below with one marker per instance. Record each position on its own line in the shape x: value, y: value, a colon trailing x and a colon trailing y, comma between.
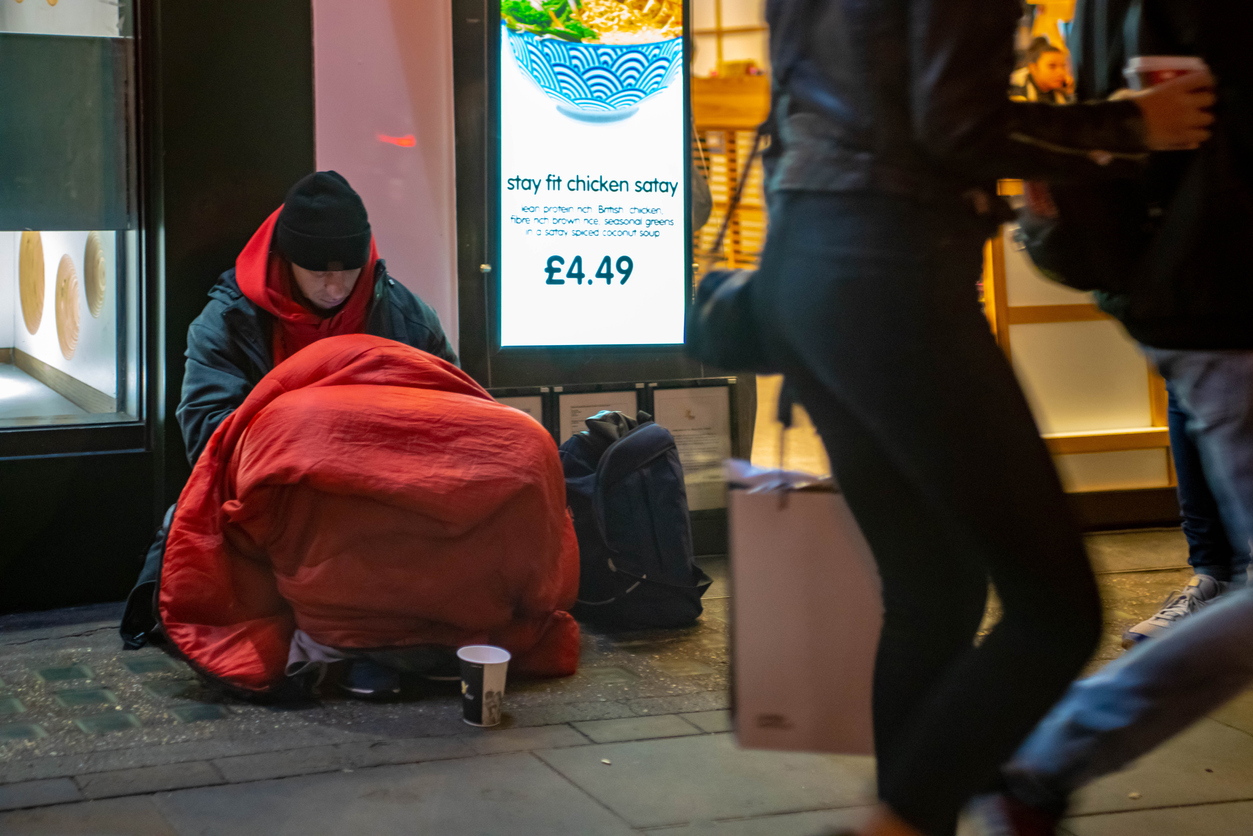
x: 483, y: 669
x: 1145, y: 71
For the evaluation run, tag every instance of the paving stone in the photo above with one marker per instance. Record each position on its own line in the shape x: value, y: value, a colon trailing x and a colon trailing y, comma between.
x: 22, y: 731
x: 636, y: 728
x: 1138, y: 550
x: 787, y: 824
x: 493, y: 742
x: 513, y: 794
x: 169, y: 688
x: 389, y: 752
x: 710, y: 721
x: 550, y: 715
x: 1238, y: 713
x: 682, y: 703
x: 65, y: 673
x: 293, y: 707
x: 114, y: 817
x: 267, y: 765
x: 1208, y: 762
x: 608, y: 675
x: 653, y: 783
x: 1231, y: 819
x: 682, y: 667
x: 11, y: 705
x: 153, y: 664
x: 200, y: 712
x: 38, y: 793
x: 108, y: 723
x: 148, y: 779
x: 80, y: 697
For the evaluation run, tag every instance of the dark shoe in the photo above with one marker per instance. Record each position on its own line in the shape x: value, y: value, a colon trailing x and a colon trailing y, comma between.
x: 366, y: 680
x: 999, y: 814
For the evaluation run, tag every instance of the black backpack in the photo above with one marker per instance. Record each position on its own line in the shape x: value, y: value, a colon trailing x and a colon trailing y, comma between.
x: 624, y: 485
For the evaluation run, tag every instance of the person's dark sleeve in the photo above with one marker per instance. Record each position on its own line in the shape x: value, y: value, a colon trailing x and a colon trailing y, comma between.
x: 964, y: 120
x: 214, y: 384
x: 436, y: 341
x: 422, y: 325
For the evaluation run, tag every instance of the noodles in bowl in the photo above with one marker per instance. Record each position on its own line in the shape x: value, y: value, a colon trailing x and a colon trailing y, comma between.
x: 598, y: 59
x: 633, y: 21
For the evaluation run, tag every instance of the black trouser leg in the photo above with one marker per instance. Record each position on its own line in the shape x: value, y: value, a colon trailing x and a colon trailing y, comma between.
x: 868, y: 304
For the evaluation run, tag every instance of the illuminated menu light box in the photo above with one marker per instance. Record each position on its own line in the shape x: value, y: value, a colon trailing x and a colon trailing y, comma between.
x: 593, y: 197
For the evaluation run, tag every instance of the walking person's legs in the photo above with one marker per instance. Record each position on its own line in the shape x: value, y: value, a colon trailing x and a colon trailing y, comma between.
x: 1163, y: 686
x: 868, y: 303
x: 1210, y: 551
x: 1215, y: 390
x: 1137, y: 702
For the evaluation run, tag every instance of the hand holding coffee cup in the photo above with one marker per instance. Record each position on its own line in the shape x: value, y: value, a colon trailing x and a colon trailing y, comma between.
x: 1175, y: 94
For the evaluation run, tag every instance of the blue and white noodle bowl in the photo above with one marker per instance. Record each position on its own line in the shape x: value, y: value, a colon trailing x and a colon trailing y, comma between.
x: 597, y: 82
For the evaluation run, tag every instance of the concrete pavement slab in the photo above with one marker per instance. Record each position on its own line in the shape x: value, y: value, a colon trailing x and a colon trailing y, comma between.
x: 1138, y: 551
x: 1208, y: 762
x: 148, y: 779
x: 368, y: 753
x: 786, y: 824
x: 38, y: 793
x: 680, y: 780
x: 637, y: 728
x: 493, y: 741
x: 1238, y: 713
x: 710, y: 721
x: 267, y: 765
x: 682, y: 703
x: 501, y: 794
x: 114, y: 817
x: 1231, y: 819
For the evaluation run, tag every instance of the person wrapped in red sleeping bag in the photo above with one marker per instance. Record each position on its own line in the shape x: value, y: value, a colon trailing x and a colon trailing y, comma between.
x: 370, y: 496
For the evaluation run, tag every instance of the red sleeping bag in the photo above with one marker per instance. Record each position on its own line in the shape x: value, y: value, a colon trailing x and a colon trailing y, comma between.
x: 373, y: 496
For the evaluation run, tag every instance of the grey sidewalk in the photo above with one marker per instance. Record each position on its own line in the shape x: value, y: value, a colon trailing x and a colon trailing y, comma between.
x: 637, y: 742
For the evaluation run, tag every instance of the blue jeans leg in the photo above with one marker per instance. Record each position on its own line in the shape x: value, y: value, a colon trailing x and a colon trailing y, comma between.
x: 1215, y: 389
x: 1136, y: 702
x: 1209, y: 550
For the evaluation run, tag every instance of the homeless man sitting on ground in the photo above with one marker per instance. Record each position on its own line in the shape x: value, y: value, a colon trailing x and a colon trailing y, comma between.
x: 350, y: 499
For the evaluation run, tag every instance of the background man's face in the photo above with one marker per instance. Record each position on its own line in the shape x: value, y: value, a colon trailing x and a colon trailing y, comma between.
x: 325, y: 289
x: 1049, y: 73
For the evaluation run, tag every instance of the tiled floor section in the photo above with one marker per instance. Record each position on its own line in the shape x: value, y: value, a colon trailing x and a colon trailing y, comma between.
x: 638, y: 742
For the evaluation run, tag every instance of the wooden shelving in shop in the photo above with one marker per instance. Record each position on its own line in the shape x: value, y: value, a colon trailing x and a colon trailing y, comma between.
x: 726, y: 113
x: 1001, y: 315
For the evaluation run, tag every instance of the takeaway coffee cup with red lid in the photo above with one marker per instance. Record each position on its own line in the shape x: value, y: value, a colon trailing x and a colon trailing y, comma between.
x: 1145, y: 71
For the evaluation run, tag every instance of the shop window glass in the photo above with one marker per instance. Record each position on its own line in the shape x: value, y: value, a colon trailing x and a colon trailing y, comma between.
x: 70, y: 314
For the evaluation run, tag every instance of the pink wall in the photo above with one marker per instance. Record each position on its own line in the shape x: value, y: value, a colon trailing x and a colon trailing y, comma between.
x: 383, y: 71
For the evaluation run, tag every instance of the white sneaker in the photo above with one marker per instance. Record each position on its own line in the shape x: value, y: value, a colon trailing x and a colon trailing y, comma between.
x: 1199, y: 592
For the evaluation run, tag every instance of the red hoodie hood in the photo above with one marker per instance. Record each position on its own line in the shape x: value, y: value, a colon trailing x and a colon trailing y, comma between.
x: 266, y: 279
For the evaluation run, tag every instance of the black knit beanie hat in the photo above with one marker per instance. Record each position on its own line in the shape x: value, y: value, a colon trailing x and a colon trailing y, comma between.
x: 323, y: 224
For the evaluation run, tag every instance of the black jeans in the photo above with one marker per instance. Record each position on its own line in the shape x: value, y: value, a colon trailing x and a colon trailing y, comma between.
x: 867, y: 302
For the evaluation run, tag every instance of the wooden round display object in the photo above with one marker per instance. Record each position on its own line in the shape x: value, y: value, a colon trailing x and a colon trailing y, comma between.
x: 30, y: 277
x: 67, y: 307
x: 94, y: 273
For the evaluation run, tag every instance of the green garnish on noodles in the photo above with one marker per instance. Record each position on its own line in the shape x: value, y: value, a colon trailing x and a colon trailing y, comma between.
x: 551, y: 18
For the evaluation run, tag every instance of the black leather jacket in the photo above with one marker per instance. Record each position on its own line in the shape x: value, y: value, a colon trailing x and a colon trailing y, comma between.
x: 909, y: 96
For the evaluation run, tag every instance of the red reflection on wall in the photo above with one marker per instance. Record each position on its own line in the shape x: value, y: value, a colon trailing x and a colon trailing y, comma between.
x: 406, y: 141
